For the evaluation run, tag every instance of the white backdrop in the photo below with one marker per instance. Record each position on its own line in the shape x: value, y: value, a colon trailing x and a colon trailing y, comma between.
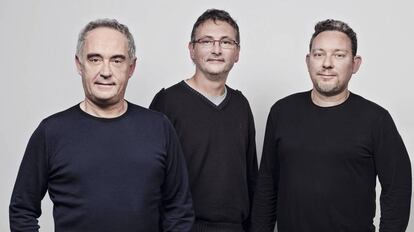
x: 39, y: 78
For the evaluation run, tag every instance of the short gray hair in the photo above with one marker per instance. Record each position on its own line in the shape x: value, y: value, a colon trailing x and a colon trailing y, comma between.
x: 109, y: 23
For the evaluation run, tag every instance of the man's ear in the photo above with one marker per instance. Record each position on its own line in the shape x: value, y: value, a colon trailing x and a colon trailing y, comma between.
x: 78, y: 65
x: 237, y: 54
x: 132, y: 67
x: 191, y: 49
x: 307, y: 60
x: 356, y: 64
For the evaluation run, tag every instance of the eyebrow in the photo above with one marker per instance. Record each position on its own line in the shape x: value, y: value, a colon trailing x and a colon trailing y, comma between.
x: 90, y: 55
x: 335, y: 50
x: 211, y: 37
x: 118, y: 56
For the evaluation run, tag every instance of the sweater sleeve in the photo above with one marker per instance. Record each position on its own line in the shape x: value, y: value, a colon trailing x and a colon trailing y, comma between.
x: 177, y: 212
x: 264, y: 212
x: 30, y: 186
x: 158, y: 102
x: 251, y: 162
x: 394, y: 174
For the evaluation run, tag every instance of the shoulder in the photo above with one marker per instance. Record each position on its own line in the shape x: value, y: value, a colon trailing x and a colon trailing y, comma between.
x: 171, y: 95
x: 300, y: 97
x: 374, y: 114
x: 60, y: 117
x: 150, y: 119
x: 366, y: 105
x: 292, y: 101
x: 58, y: 122
x: 368, y: 110
x: 237, y: 95
x: 146, y: 115
x: 173, y: 90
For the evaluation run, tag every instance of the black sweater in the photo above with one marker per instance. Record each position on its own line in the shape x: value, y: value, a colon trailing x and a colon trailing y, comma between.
x: 219, y: 147
x: 319, y: 167
x: 122, y: 174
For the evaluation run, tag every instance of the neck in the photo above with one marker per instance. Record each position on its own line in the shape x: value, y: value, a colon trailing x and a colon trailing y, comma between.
x: 328, y: 101
x: 103, y: 111
x: 208, y: 86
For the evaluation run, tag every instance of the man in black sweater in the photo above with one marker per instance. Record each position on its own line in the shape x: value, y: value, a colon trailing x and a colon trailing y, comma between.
x: 215, y: 126
x: 324, y: 148
x: 108, y: 165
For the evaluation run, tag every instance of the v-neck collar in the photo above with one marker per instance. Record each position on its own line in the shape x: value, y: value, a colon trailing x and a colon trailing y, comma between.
x: 205, y: 99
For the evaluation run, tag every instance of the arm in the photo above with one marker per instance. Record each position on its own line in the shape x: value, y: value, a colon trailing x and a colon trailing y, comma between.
x: 177, y: 211
x: 30, y: 186
x: 251, y: 164
x: 264, y: 212
x: 157, y: 103
x: 394, y: 173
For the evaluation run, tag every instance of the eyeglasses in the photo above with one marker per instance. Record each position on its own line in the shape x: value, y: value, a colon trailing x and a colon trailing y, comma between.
x: 224, y: 43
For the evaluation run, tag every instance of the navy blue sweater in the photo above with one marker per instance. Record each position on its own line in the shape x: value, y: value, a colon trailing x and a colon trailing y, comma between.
x: 121, y: 174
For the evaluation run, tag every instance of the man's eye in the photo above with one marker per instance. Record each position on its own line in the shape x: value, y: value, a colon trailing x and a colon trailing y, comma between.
x: 206, y: 42
x: 317, y: 54
x: 94, y: 59
x: 339, y: 55
x: 226, y: 42
x: 117, y: 61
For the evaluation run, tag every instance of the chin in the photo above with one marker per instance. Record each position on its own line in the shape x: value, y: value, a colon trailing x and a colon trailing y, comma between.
x: 215, y: 70
x: 329, y: 91
x: 328, y: 88
x: 215, y: 73
x: 104, y: 98
x: 216, y: 76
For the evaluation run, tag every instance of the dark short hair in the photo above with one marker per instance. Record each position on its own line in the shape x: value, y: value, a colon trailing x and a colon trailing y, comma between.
x: 109, y: 23
x: 215, y: 15
x: 336, y: 25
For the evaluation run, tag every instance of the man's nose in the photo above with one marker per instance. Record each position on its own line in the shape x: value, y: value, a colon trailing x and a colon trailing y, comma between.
x: 216, y: 49
x: 106, y: 71
x: 327, y: 63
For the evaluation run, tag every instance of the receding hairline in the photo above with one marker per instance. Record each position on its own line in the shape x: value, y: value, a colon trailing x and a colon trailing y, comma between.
x: 104, y: 27
x: 108, y: 28
x: 109, y: 23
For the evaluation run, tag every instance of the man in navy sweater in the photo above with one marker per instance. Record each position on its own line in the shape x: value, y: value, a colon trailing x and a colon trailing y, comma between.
x: 108, y: 165
x: 324, y: 148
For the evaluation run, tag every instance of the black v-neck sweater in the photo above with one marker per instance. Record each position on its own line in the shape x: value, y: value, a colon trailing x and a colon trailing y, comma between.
x: 219, y: 147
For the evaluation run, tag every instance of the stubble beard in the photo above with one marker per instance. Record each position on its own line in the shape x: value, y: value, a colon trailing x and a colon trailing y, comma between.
x: 329, y: 90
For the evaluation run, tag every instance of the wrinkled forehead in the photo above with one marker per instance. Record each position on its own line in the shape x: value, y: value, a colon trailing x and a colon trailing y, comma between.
x: 104, y: 39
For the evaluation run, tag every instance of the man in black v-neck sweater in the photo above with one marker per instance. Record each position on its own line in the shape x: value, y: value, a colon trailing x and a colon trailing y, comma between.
x: 215, y: 126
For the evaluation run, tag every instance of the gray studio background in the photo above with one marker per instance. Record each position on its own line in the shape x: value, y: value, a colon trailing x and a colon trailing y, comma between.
x: 38, y: 75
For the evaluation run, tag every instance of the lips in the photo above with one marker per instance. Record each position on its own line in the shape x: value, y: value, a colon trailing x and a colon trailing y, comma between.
x: 104, y: 84
x: 326, y: 74
x: 215, y: 60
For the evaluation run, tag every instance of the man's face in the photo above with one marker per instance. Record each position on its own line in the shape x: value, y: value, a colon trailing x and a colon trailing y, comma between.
x: 214, y: 61
x: 331, y: 63
x: 105, y: 66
